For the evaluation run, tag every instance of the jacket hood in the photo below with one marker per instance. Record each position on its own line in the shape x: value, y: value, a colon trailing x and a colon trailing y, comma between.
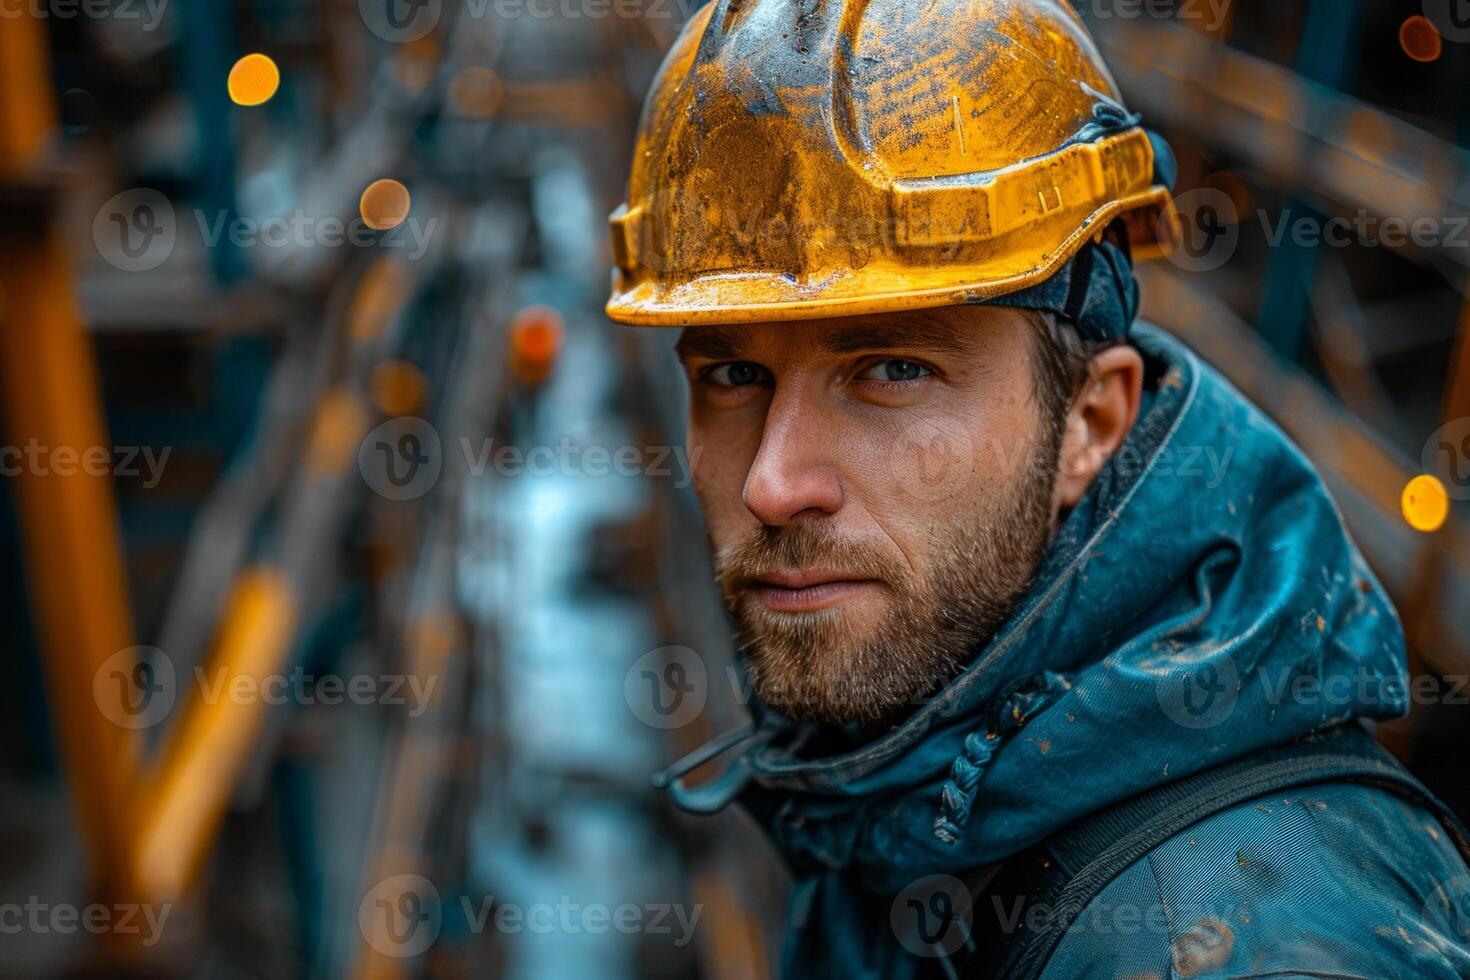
x: 1204, y: 601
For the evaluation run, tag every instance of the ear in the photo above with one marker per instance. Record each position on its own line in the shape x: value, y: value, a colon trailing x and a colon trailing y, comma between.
x: 1101, y: 418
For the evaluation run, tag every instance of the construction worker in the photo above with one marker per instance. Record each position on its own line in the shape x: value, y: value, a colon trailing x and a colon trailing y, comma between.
x: 1060, y: 651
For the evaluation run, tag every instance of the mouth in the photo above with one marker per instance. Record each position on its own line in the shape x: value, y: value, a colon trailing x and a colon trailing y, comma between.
x: 807, y: 591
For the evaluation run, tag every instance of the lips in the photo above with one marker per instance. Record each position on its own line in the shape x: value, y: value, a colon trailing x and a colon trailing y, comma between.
x: 809, y: 590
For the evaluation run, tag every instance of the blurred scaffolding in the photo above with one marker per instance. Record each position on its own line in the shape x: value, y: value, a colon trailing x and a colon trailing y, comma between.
x: 322, y: 283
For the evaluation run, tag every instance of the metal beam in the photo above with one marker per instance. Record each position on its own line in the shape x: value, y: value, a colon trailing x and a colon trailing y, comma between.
x: 49, y: 399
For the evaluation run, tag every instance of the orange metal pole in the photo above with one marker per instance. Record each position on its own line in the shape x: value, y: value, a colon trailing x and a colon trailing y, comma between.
x: 49, y: 393
x: 27, y: 111
x: 186, y: 795
x: 186, y: 792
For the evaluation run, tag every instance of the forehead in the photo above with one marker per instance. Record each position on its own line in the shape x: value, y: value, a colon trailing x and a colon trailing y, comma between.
x: 959, y: 330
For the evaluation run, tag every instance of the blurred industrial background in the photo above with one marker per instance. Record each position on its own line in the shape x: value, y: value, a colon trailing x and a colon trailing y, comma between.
x: 351, y: 578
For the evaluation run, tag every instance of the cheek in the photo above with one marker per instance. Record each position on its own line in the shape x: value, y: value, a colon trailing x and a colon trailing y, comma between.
x: 949, y: 453
x: 720, y: 458
x: 929, y: 470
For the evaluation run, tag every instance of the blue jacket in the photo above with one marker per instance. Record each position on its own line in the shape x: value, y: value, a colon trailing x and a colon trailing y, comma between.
x: 1204, y: 602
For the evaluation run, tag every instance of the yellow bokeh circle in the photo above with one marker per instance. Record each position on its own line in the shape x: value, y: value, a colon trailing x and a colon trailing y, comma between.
x: 1426, y: 504
x: 253, y: 80
x: 384, y: 204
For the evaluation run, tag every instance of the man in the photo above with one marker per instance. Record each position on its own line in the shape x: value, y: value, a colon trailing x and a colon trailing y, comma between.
x: 1059, y: 647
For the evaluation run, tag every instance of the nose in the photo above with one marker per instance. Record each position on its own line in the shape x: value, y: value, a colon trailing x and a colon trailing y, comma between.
x: 792, y: 475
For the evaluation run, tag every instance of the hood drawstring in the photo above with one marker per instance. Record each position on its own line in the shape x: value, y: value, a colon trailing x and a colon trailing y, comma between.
x: 714, y: 795
x: 958, y: 795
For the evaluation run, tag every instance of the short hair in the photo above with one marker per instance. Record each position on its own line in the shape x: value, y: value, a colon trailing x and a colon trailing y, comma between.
x: 1061, y: 359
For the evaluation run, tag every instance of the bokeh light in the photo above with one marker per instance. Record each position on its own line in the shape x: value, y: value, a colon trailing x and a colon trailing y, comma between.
x: 253, y: 80
x: 384, y: 204
x: 1426, y: 504
x: 535, y: 340
x: 1419, y: 39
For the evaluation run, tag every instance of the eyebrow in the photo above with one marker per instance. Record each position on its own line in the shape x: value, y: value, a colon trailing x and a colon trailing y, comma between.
x: 917, y: 331
x: 723, y: 343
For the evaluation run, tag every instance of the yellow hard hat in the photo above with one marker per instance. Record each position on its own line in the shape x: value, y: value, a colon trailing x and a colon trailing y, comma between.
x: 813, y: 158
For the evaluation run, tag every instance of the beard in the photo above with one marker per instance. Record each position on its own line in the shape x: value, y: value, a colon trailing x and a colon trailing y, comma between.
x: 816, y: 666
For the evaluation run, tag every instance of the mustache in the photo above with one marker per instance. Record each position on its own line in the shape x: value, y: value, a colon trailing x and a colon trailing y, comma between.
x: 805, y: 544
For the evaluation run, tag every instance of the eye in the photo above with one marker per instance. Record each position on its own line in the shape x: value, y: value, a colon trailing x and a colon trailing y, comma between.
x: 736, y: 374
x: 895, y: 369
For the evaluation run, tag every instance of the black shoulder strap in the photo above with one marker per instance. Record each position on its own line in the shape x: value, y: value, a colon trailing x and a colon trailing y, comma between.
x: 1084, y: 857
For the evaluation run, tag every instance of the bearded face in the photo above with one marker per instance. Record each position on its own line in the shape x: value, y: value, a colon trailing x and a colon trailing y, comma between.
x: 879, y: 492
x: 822, y: 664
